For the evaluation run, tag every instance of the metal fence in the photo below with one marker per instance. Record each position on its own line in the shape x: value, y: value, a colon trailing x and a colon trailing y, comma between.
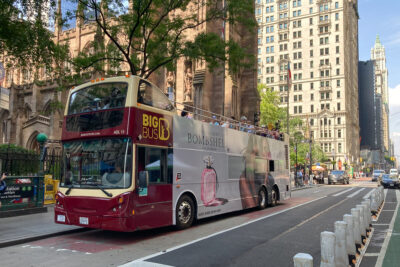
x: 16, y: 163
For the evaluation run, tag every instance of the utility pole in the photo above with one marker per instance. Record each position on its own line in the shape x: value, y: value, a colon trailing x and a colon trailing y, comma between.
x: 310, y: 168
x: 289, y: 76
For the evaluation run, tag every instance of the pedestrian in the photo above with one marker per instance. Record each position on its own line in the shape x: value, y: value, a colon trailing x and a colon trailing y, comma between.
x: 3, y: 185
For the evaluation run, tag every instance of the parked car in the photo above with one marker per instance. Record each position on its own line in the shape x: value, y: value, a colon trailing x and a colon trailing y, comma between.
x: 335, y: 177
x: 389, y: 181
x: 376, y: 174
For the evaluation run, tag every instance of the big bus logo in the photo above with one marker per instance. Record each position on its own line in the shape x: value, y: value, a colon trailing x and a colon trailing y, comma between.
x: 155, y: 128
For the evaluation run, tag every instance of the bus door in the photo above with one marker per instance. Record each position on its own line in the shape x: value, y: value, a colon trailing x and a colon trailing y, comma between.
x: 154, y: 203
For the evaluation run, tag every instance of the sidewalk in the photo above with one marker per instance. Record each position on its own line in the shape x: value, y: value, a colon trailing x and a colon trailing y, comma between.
x: 26, y: 228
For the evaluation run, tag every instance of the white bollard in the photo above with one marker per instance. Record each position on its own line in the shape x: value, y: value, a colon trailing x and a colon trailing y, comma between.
x: 367, y: 212
x: 327, y: 249
x: 350, y: 243
x: 362, y: 221
x: 341, y: 258
x: 303, y: 260
x: 356, y: 224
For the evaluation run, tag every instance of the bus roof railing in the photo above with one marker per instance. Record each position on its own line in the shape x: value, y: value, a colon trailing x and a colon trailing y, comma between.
x: 198, y: 114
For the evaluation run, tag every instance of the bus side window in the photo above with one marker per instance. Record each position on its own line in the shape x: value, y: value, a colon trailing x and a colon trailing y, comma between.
x: 271, y: 166
x: 152, y: 96
x: 157, y: 162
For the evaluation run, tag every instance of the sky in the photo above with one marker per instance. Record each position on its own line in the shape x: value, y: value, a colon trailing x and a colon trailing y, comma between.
x: 382, y: 17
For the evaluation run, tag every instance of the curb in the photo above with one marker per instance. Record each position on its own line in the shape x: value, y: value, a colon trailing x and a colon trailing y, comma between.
x: 39, y: 237
x: 306, y: 187
x: 21, y: 212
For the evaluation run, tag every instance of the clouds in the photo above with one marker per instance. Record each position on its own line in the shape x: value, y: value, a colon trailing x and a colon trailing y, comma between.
x: 394, y: 97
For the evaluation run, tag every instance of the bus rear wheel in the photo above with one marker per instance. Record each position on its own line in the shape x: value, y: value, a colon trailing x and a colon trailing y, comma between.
x: 184, y: 212
x: 274, y: 198
x: 262, y: 199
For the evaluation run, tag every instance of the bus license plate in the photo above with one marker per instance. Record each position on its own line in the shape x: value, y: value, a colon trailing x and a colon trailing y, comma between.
x: 391, y: 184
x: 60, y: 218
x: 84, y: 220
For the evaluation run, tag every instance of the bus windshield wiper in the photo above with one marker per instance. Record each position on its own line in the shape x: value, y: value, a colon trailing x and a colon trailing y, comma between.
x: 104, y: 191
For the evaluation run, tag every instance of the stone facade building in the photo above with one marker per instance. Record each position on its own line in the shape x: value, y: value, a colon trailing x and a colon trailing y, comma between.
x: 320, y: 40
x: 381, y: 81
x: 30, y: 109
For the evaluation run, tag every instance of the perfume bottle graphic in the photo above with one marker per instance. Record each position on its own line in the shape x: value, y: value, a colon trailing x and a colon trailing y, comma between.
x: 209, y: 184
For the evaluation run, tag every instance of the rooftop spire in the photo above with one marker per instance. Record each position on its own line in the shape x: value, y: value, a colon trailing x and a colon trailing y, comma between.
x: 377, y: 41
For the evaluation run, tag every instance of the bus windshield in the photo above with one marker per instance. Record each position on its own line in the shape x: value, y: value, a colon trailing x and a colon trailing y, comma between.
x: 101, y: 96
x: 97, y: 162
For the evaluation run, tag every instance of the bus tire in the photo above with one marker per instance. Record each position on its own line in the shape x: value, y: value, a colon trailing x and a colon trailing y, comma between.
x: 262, y: 199
x: 274, y: 197
x: 184, y: 212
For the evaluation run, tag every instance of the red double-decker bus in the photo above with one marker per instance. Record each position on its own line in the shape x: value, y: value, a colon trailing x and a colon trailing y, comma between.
x: 130, y: 162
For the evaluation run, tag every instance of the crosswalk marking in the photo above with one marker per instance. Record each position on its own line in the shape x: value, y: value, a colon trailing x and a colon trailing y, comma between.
x: 343, y: 192
x: 355, y: 193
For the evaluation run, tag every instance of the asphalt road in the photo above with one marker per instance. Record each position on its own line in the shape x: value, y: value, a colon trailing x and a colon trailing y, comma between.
x: 270, y: 237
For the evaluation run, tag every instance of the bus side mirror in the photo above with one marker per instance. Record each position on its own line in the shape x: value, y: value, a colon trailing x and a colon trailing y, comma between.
x: 143, y: 179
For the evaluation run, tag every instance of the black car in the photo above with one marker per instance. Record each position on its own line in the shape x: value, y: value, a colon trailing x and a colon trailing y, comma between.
x: 335, y: 177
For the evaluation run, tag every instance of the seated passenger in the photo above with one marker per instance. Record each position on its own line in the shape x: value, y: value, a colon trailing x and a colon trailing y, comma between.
x: 116, y: 178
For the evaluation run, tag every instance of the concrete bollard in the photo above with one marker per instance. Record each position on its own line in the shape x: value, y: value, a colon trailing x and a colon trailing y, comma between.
x: 367, y: 213
x: 374, y: 201
x: 356, y: 224
x: 303, y: 260
x: 362, y: 221
x: 341, y: 258
x: 327, y: 249
x: 350, y: 243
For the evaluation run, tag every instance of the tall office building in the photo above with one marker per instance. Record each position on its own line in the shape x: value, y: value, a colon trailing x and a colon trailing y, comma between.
x: 320, y: 40
x: 370, y: 102
x: 381, y: 81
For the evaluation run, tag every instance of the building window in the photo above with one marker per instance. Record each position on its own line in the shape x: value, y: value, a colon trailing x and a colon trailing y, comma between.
x: 310, y: 13
x: 311, y: 86
x: 339, y: 133
x: 312, y: 97
x: 338, y: 94
x: 337, y: 49
x: 337, y: 83
x: 300, y: 109
x: 337, y: 71
x: 338, y: 106
x: 337, y: 27
x: 312, y: 108
x: 338, y: 120
x: 337, y: 61
x: 339, y: 148
x: 295, y: 109
x: 336, y: 16
x: 336, y: 4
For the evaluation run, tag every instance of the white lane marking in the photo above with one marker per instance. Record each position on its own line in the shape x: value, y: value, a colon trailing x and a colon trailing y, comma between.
x: 385, y: 244
x: 377, y: 224
x: 134, y: 262
x: 317, y: 191
x: 355, y: 193
x: 371, y: 254
x: 368, y: 194
x: 147, y: 264
x: 343, y: 192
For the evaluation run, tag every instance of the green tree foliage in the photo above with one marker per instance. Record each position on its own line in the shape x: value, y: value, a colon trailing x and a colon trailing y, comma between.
x: 24, y: 34
x: 270, y: 112
x: 154, y: 33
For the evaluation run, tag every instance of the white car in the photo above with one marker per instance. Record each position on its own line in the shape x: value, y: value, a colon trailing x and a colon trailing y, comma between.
x: 394, y: 173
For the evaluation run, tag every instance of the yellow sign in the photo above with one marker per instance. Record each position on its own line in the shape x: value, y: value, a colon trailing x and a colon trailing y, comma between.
x: 155, y: 128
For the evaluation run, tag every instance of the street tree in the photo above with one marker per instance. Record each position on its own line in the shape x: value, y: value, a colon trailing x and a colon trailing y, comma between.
x: 150, y: 34
x: 270, y: 112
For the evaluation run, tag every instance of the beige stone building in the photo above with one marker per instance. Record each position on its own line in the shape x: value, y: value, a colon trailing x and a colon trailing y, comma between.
x: 320, y: 40
x: 381, y: 85
x: 30, y: 109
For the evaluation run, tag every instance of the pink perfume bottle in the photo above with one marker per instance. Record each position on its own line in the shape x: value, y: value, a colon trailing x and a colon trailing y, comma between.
x: 209, y: 184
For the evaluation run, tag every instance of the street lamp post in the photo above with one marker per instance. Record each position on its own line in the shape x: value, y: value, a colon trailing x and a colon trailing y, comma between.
x: 41, y: 138
x: 333, y: 158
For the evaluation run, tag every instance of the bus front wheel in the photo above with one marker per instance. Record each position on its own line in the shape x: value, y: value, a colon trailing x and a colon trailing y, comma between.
x: 184, y: 212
